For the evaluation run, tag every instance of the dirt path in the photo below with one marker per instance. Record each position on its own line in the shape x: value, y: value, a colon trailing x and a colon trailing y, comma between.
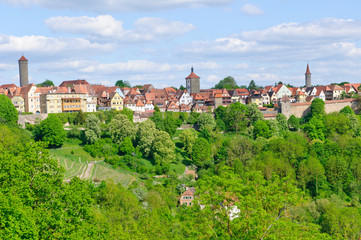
x: 87, y: 170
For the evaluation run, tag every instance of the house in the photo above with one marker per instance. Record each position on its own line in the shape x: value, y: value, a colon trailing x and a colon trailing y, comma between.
x: 282, y: 90
x: 115, y: 101
x: 187, y: 197
x: 255, y: 97
x: 18, y: 101
x: 183, y: 97
x: 336, y: 91
x: 172, y: 107
x: 148, y: 106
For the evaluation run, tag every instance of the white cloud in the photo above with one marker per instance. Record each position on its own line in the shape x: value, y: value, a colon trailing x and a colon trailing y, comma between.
x: 41, y: 45
x: 116, y: 5
x: 252, y: 10
x: 213, y: 79
x: 108, y: 28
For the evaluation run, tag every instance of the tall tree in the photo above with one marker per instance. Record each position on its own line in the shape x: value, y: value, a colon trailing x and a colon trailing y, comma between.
x: 145, y: 137
x: 252, y: 85
x: 235, y: 118
x: 201, y: 152
x: 46, y: 83
x: 92, y: 131
x: 206, y: 121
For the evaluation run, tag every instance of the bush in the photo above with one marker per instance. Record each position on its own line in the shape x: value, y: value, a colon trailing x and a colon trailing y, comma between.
x: 102, y: 148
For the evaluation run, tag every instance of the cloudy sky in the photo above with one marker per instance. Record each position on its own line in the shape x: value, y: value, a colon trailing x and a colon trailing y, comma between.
x: 158, y: 41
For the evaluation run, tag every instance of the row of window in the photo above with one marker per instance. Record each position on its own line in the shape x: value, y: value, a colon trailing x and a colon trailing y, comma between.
x: 72, y: 106
x: 187, y: 197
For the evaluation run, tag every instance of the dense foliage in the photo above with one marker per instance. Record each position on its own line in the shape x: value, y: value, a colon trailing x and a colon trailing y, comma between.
x: 8, y: 113
x: 257, y: 179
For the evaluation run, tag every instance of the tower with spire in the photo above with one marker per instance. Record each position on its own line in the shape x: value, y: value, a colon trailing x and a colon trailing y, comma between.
x: 23, y: 71
x: 308, y: 77
x: 192, y: 83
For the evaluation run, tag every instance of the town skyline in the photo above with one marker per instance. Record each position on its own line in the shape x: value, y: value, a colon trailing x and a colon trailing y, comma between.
x: 159, y: 43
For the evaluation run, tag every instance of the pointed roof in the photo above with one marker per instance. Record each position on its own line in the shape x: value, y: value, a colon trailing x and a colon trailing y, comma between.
x: 23, y: 58
x: 308, y: 69
x: 192, y: 75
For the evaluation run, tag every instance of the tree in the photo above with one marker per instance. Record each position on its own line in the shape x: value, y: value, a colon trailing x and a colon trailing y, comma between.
x: 201, y: 152
x: 80, y: 118
x: 206, y: 121
x: 252, y: 86
x: 46, y: 83
x: 188, y: 137
x: 347, y: 110
x: 126, y: 147
x: 293, y: 123
x: 51, y: 131
x: 227, y: 83
x: 170, y: 124
x: 261, y: 129
x: 128, y: 112
x: 182, y: 87
x: 145, y: 137
x: 163, y: 149
x: 282, y: 122
x: 93, y: 131
x: 254, y: 114
x: 235, y: 117
x: 120, y: 127
x: 8, y: 113
x: 122, y: 84
x: 315, y: 129
x: 317, y: 108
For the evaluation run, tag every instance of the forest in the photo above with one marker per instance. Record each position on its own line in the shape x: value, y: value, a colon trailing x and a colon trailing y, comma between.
x: 287, y: 178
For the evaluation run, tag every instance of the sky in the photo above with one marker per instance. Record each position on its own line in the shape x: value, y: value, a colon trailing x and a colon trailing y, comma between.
x: 158, y: 41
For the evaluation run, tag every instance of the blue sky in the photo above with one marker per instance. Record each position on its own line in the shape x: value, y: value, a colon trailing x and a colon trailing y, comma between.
x: 159, y: 41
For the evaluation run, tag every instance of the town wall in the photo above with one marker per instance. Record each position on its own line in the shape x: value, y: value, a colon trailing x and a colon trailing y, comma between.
x: 31, y: 118
x: 302, y: 109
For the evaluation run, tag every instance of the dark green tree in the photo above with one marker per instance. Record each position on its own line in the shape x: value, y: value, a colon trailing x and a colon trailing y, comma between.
x: 80, y: 118
x: 261, y: 129
x: 293, y: 123
x: 126, y: 147
x: 227, y: 83
x: 122, y: 84
x: 252, y: 86
x: 201, y: 152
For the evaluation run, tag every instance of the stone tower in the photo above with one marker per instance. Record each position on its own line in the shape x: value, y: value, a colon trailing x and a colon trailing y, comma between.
x: 192, y: 83
x: 308, y: 77
x: 23, y: 71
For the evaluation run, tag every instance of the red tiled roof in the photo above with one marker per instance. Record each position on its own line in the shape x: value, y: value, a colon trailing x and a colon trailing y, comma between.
x: 192, y: 75
x: 23, y: 59
x: 308, y: 69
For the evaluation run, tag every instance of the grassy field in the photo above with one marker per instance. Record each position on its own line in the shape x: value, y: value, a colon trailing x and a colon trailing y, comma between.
x: 74, y: 160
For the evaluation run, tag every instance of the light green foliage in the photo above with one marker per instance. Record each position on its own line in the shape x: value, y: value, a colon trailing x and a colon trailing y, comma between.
x: 121, y: 127
x: 347, y: 110
x: 206, y: 121
x: 235, y: 117
x: 51, y: 131
x: 92, y: 132
x: 315, y: 129
x: 261, y: 129
x: 129, y: 113
x: 188, y: 137
x: 145, y: 137
x: 336, y: 123
x: 293, y: 123
x: 8, y: 113
x: 126, y: 147
x: 254, y: 114
x: 317, y: 108
x: 201, y: 152
x: 163, y: 148
x: 274, y: 127
x: 282, y: 122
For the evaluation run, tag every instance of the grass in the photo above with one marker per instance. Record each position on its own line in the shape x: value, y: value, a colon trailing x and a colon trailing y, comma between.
x: 73, y: 158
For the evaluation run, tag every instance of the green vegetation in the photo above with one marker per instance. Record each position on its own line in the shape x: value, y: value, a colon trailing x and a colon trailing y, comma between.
x: 257, y: 179
x: 8, y: 113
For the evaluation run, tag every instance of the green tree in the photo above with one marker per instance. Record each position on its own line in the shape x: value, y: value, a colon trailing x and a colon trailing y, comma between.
x: 122, y: 84
x: 254, y: 114
x: 128, y: 112
x: 261, y: 129
x: 145, y: 137
x: 126, y: 147
x: 201, y: 152
x: 182, y: 87
x: 121, y: 127
x: 80, y: 118
x: 227, y: 83
x: 282, y: 122
x: 93, y: 131
x: 317, y: 108
x: 46, y: 83
x: 293, y: 123
x: 8, y: 113
x: 252, y: 86
x: 188, y: 137
x: 347, y: 110
x: 51, y: 131
x: 163, y: 149
x: 235, y: 117
x: 206, y: 121
x: 315, y: 129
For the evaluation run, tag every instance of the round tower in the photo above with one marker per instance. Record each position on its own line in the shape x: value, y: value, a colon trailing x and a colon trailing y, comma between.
x: 308, y: 77
x: 23, y: 71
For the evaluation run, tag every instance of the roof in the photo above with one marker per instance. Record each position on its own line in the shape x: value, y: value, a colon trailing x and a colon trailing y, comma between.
x: 308, y: 69
x: 189, y: 191
x: 140, y: 103
x: 69, y: 83
x: 192, y: 75
x: 23, y: 58
x: 335, y: 87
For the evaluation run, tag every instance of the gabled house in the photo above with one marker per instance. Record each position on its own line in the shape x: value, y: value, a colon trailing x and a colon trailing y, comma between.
x: 172, y: 107
x: 183, y: 97
x: 148, y: 106
x: 187, y: 197
x: 336, y: 91
x: 115, y: 101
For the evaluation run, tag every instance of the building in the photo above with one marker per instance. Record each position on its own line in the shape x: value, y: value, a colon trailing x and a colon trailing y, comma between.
x: 23, y: 71
x: 192, y: 83
x: 308, y: 77
x: 187, y: 197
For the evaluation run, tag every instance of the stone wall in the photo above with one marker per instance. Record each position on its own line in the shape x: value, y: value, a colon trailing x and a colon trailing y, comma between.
x: 302, y: 109
x: 31, y: 118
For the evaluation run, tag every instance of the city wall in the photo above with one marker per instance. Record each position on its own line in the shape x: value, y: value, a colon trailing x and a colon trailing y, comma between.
x: 302, y: 109
x: 31, y: 118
